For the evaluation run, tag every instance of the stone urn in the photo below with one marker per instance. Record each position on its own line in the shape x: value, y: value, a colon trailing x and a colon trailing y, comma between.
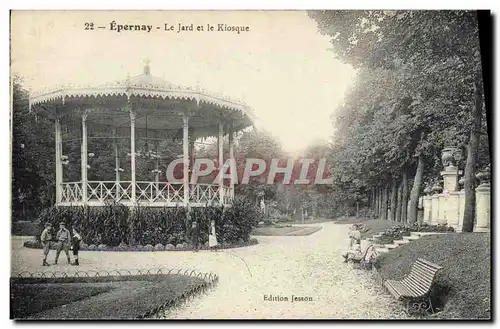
x: 447, y: 156
x: 461, y: 183
x: 428, y: 190
x: 437, y: 188
x: 484, y: 176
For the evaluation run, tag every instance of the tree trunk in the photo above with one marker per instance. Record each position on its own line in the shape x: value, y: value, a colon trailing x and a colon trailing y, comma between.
x: 393, y: 201
x: 415, y: 192
x: 384, y: 203
x: 404, y: 197
x: 372, y: 200
x: 357, y: 209
x: 375, y: 209
x: 398, y: 203
x: 470, y: 165
x: 379, y: 202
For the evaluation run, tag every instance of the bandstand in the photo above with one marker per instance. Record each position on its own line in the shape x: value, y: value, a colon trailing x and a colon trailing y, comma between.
x: 143, y: 105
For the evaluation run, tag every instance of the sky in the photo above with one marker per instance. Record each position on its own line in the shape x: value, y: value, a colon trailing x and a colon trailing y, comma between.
x: 281, y: 67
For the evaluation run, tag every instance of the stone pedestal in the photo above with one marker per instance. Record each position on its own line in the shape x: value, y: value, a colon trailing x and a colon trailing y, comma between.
x: 483, y: 210
x: 427, y: 204
x: 441, y: 216
x: 453, y: 210
x: 461, y: 210
x: 449, y: 179
x: 434, y: 209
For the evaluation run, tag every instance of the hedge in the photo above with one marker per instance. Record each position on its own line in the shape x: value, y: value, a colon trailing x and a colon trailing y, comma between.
x: 116, y: 224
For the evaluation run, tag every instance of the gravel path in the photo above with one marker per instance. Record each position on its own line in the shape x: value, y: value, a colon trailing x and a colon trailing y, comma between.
x: 281, y: 267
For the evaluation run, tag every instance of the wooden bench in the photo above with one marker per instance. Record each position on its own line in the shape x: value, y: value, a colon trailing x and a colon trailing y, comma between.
x: 363, y: 259
x: 416, y: 287
x: 366, y: 258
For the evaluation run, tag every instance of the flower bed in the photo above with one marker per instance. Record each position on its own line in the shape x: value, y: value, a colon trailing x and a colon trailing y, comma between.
x: 417, y: 227
x: 399, y: 231
x: 34, y: 244
x: 393, y: 233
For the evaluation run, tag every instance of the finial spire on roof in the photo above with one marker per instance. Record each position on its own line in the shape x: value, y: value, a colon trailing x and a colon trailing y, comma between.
x: 147, y: 70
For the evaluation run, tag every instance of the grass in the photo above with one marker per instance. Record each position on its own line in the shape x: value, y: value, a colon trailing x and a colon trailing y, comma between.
x: 25, y: 228
x: 463, y: 286
x: 373, y: 226
x: 28, y: 299
x: 311, y: 221
x: 284, y: 231
x: 93, y: 298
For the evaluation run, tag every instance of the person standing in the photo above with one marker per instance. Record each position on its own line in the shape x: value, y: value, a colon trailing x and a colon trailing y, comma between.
x: 63, y: 241
x: 193, y: 233
x: 46, y: 238
x: 212, y: 238
x: 75, y: 246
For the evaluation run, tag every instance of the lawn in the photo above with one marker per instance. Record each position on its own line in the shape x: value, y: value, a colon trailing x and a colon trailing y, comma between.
x: 311, y: 221
x: 284, y: 231
x: 463, y: 287
x: 25, y: 228
x: 373, y: 226
x: 92, y: 298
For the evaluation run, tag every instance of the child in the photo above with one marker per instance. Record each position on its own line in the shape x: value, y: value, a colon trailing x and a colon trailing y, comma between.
x: 75, y: 246
x: 354, y: 242
x: 212, y: 238
x: 356, y: 234
x: 45, y: 238
x: 63, y: 241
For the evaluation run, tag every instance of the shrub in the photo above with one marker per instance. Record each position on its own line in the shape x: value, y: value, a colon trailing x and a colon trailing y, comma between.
x: 237, y: 221
x: 417, y: 227
x: 282, y: 218
x: 394, y: 233
x: 159, y: 247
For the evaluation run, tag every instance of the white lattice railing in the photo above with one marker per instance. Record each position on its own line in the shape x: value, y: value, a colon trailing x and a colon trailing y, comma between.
x: 145, y: 192
x: 159, y: 192
x: 204, y: 193
x: 71, y: 192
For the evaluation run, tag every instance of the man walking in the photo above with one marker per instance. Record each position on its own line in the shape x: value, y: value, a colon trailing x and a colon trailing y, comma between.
x: 46, y: 238
x: 63, y: 241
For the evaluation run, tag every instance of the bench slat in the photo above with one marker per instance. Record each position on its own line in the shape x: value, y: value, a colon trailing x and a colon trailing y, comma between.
x: 389, y: 285
x: 424, y: 277
x: 424, y: 269
x: 423, y: 272
x: 418, y: 284
x: 398, y: 288
x: 431, y: 264
x: 425, y: 265
x: 415, y: 287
